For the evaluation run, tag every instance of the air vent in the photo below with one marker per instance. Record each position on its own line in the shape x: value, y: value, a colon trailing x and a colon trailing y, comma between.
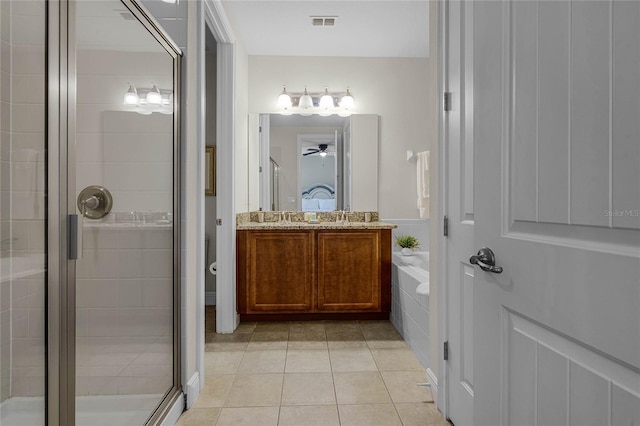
x: 127, y: 16
x: 323, y: 21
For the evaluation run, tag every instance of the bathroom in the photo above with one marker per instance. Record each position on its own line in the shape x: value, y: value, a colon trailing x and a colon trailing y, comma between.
x: 396, y: 91
x: 127, y: 299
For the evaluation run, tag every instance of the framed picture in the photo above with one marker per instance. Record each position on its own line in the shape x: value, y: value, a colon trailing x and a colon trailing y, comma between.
x: 210, y: 171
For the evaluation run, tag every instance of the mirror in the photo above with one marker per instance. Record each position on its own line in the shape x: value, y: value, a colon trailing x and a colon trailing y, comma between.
x: 314, y: 163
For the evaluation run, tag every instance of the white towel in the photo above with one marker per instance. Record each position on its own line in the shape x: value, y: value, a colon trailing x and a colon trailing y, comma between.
x: 422, y: 175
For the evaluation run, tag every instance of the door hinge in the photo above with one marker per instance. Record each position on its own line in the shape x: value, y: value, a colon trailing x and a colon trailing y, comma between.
x: 446, y: 351
x: 446, y: 226
x: 185, y: 400
x: 447, y: 101
x: 259, y: 129
x: 260, y: 169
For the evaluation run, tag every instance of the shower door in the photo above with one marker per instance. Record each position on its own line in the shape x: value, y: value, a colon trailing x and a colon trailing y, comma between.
x: 23, y: 213
x: 119, y: 338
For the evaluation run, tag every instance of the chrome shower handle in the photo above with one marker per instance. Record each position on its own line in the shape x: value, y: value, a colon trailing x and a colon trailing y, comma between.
x: 91, y: 202
x: 95, y: 202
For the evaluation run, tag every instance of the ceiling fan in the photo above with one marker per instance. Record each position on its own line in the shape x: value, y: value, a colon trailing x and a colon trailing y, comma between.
x: 321, y: 149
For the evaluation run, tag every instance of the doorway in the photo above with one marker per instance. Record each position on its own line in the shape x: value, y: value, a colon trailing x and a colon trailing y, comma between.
x: 210, y: 214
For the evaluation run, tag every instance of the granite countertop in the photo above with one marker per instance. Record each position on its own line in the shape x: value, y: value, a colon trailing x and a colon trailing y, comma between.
x: 321, y: 225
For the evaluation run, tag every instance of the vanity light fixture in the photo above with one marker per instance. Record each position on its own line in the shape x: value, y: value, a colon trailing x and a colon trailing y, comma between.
x: 305, y: 104
x: 153, y: 96
x: 346, y: 104
x: 131, y: 97
x: 323, y: 104
x: 326, y: 101
x: 326, y: 104
x: 284, y: 100
x: 149, y: 100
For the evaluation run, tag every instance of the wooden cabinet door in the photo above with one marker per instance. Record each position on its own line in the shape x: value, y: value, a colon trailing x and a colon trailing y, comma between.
x: 280, y: 271
x: 349, y: 271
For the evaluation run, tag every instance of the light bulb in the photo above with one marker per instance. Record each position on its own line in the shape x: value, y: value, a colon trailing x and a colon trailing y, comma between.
x: 154, y: 97
x: 326, y: 101
x: 323, y: 154
x: 131, y: 97
x: 305, y: 101
x: 284, y: 100
x: 346, y: 102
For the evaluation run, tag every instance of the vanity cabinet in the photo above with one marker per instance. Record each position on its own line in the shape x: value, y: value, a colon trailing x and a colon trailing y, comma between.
x: 349, y: 270
x: 314, y: 274
x: 277, y: 269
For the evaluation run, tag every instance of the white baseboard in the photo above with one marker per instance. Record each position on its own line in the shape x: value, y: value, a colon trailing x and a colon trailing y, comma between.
x: 193, y: 389
x: 174, y: 413
x: 434, y: 384
x: 210, y: 298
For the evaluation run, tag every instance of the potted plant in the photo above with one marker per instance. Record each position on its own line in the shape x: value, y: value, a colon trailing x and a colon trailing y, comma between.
x: 408, y: 244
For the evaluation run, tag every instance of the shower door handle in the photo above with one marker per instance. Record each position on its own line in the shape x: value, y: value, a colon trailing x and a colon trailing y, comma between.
x: 75, y: 236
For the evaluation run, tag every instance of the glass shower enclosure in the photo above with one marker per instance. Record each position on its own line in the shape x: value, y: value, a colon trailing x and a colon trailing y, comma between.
x: 89, y: 199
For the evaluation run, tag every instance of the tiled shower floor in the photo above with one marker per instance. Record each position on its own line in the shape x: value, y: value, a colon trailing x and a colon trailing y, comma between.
x: 312, y: 373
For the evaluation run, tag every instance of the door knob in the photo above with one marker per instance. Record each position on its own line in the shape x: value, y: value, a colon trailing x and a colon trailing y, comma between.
x: 486, y: 260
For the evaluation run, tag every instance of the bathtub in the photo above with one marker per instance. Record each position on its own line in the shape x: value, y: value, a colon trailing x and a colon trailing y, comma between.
x: 409, y: 308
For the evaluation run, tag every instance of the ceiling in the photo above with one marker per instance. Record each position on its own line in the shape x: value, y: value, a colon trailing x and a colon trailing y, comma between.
x: 363, y: 28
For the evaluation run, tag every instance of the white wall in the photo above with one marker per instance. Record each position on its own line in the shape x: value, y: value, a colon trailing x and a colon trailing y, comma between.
x: 242, y: 129
x: 317, y: 169
x: 401, y: 90
x: 433, y: 206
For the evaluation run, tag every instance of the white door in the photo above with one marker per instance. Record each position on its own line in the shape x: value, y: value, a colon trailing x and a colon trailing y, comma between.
x: 557, y: 198
x: 458, y: 199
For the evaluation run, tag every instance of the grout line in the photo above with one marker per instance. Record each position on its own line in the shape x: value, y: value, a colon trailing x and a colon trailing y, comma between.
x: 333, y: 380
x: 337, y: 405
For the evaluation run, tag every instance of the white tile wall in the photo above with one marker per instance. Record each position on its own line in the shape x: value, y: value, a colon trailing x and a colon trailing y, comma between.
x: 124, y: 298
x: 22, y: 207
x: 128, y: 153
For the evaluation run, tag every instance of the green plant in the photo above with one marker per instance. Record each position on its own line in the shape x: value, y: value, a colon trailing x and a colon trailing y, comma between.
x: 407, y: 241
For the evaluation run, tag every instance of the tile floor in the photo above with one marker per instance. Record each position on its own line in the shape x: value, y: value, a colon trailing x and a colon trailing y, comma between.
x: 311, y: 373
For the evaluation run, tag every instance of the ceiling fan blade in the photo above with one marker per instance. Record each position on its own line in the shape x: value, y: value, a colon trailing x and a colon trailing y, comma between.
x: 310, y: 153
